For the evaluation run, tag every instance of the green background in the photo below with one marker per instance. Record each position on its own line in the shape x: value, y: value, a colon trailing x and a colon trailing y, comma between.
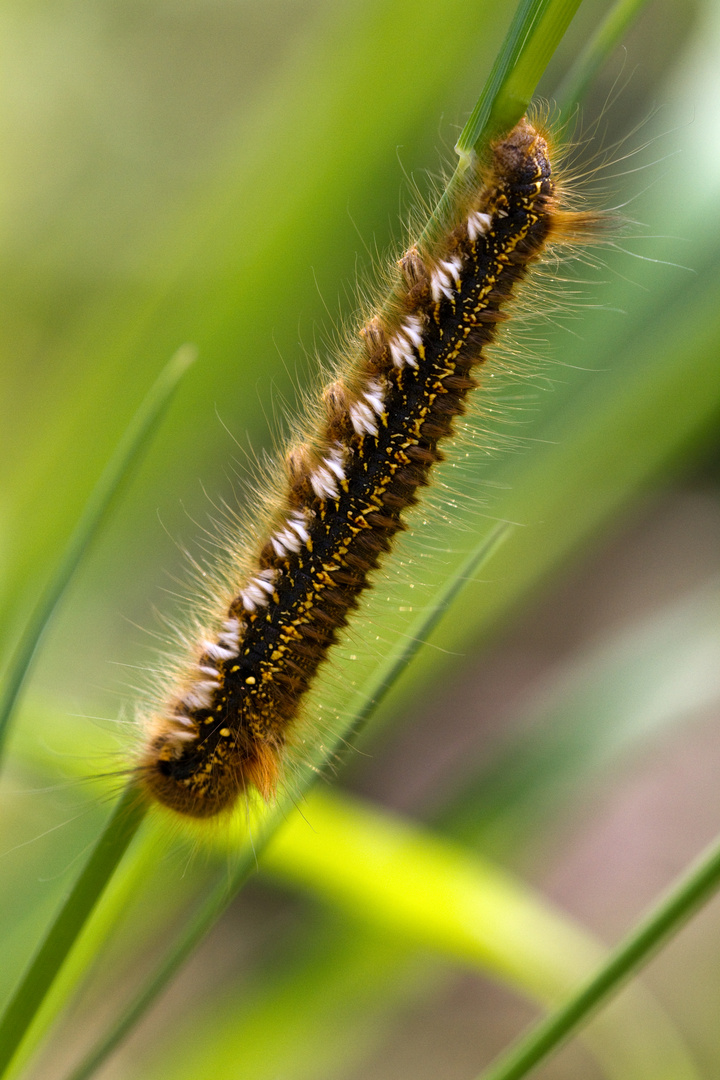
x: 223, y: 174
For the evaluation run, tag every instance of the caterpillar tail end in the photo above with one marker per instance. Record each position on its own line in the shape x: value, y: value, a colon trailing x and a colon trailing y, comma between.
x: 210, y: 788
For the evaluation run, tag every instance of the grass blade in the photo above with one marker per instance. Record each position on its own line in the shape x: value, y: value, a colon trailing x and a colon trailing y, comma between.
x: 117, y: 472
x: 536, y: 31
x: 63, y: 934
x: 534, y: 34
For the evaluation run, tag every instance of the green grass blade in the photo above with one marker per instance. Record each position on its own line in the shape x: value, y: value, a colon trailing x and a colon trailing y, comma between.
x: 384, y: 677
x: 689, y: 894
x: 205, y: 917
x: 64, y: 932
x: 116, y: 474
x: 537, y: 29
x: 126, y: 819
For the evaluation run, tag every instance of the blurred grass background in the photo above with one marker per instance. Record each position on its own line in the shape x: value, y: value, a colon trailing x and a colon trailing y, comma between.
x: 220, y: 173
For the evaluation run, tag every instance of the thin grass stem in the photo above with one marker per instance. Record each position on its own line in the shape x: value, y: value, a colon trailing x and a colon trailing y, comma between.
x: 696, y: 886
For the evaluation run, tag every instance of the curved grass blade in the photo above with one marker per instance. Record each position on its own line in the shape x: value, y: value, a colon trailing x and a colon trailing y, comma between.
x: 421, y: 887
x: 117, y: 472
x: 416, y: 891
x: 128, y: 815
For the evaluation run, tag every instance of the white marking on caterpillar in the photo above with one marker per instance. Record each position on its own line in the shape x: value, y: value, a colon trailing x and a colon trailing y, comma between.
x: 401, y: 350
x: 200, y: 696
x: 362, y: 419
x: 253, y: 598
x: 334, y: 462
x: 265, y: 579
x: 413, y: 330
x: 292, y: 536
x: 297, y: 522
x: 324, y: 484
x: 445, y: 279
x: 183, y: 736
x: 285, y: 542
x: 185, y: 721
x: 216, y: 651
x: 478, y: 224
x: 258, y: 591
x: 375, y: 397
x: 439, y: 286
x: 230, y: 635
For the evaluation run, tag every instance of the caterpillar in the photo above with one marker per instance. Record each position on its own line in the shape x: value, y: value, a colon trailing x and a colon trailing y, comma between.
x: 347, y: 485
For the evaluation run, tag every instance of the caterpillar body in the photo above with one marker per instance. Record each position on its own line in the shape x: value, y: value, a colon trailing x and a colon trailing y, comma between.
x: 225, y: 725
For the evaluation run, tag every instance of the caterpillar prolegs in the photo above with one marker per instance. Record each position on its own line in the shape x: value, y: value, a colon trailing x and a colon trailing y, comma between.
x: 346, y: 487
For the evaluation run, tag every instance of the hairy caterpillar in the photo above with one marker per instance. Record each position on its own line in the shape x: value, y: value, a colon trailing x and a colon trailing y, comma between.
x: 224, y: 726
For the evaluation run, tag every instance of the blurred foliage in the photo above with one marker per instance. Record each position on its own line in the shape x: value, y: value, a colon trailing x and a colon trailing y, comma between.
x: 208, y: 171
